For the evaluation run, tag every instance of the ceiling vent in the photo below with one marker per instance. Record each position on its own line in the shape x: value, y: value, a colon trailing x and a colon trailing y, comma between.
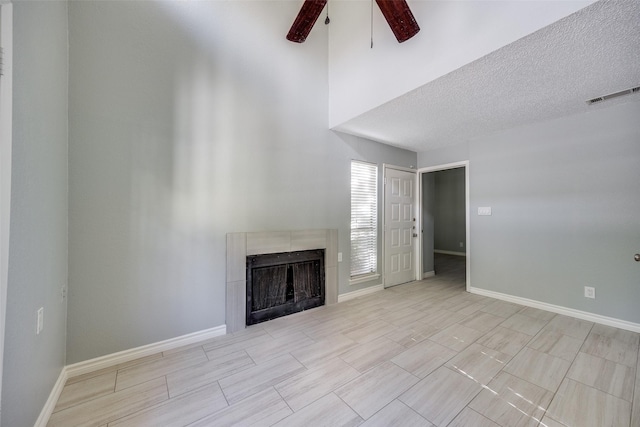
x: 614, y: 95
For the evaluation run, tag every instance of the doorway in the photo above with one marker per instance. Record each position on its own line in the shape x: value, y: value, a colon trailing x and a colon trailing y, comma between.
x: 444, y: 222
x: 400, y: 226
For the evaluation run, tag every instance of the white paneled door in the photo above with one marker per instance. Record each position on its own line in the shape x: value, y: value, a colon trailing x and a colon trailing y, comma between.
x: 400, y: 227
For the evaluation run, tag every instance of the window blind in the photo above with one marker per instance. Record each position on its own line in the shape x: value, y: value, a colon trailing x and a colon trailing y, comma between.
x: 364, y: 218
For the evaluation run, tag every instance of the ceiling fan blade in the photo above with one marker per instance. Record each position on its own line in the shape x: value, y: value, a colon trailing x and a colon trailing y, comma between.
x: 400, y: 18
x: 307, y: 16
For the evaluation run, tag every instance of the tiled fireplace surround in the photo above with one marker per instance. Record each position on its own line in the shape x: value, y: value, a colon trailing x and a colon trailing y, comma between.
x: 241, y: 245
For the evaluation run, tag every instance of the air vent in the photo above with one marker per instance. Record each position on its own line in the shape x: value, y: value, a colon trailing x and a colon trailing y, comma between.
x: 614, y: 95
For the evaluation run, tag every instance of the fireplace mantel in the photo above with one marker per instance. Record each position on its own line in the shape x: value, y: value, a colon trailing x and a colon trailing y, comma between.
x: 240, y: 245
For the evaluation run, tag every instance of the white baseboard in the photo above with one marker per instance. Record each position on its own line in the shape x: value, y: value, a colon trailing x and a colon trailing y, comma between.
x: 359, y: 293
x: 109, y: 360
x: 145, y: 350
x: 584, y: 315
x: 428, y: 274
x: 50, y: 404
x: 438, y: 251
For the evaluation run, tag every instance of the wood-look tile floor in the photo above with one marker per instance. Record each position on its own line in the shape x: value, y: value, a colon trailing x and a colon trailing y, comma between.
x: 421, y: 354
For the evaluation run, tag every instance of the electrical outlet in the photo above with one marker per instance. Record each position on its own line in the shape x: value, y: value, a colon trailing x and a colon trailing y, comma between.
x: 462, y: 244
x: 589, y: 292
x: 339, y: 256
x: 486, y: 210
x: 39, y: 320
x: 63, y: 293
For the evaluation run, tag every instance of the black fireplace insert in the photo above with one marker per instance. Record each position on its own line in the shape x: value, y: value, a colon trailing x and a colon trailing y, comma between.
x: 284, y: 283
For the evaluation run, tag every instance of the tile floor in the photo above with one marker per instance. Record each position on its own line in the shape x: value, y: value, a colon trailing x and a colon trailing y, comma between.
x: 422, y: 354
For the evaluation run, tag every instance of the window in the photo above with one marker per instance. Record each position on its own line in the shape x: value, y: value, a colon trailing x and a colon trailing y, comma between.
x: 364, y: 218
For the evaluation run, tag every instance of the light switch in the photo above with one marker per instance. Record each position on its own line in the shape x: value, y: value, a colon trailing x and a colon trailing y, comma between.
x: 484, y: 210
x: 39, y: 320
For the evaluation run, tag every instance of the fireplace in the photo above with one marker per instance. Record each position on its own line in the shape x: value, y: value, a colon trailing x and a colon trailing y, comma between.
x: 241, y: 245
x: 284, y: 283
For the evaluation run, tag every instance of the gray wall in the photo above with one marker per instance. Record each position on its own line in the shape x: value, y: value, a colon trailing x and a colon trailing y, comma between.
x: 184, y: 126
x: 449, y: 210
x: 565, y: 202
x: 38, y: 241
x: 442, y: 156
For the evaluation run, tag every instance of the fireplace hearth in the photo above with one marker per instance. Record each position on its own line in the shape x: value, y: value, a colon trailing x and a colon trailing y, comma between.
x: 284, y: 283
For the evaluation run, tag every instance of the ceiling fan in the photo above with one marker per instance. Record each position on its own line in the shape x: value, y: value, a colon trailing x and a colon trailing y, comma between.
x: 396, y: 12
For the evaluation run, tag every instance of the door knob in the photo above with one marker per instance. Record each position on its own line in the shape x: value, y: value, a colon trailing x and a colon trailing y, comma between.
x: 637, y: 257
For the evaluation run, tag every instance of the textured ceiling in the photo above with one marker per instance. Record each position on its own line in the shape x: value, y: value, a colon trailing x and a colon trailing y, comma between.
x: 548, y: 74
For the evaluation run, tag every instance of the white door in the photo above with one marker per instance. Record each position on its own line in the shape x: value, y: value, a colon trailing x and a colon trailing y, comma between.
x: 400, y: 233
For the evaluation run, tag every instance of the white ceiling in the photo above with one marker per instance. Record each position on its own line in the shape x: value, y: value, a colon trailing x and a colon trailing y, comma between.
x: 548, y: 74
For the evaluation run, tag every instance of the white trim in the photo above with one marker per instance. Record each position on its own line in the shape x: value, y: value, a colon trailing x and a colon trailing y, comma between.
x: 420, y: 228
x: 467, y: 219
x: 438, y: 251
x: 145, y: 350
x: 364, y: 279
x: 360, y: 292
x: 50, y: 404
x: 446, y: 166
x: 428, y: 274
x: 109, y: 360
x: 579, y: 314
x: 399, y: 168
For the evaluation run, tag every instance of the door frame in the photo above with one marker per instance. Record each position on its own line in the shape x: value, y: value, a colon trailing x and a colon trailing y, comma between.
x: 467, y: 216
x: 416, y: 211
x: 6, y: 110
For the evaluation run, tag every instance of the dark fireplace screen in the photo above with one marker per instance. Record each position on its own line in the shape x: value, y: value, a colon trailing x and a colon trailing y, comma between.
x: 284, y: 283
